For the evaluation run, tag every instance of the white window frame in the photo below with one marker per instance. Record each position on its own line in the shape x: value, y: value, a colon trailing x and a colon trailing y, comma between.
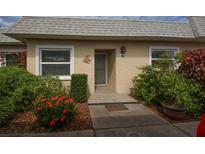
x: 39, y: 62
x: 161, y: 48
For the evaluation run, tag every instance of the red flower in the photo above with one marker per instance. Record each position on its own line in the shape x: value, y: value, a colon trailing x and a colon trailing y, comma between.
x: 65, y: 111
x: 50, y: 106
x: 71, y: 100
x: 53, y: 98
x: 67, y: 101
x: 201, y: 127
x: 55, y: 119
x: 52, y: 123
x: 60, y: 99
x: 188, y: 58
x: 62, y: 119
x: 39, y: 109
x: 48, y: 103
x: 57, y: 103
x: 44, y: 100
x: 56, y: 97
x: 36, y: 100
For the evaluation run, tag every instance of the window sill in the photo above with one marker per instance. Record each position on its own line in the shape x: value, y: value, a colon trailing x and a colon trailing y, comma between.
x: 64, y: 78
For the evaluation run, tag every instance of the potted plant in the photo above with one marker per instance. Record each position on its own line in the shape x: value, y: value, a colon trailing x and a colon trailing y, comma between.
x: 173, y: 109
x: 172, y: 106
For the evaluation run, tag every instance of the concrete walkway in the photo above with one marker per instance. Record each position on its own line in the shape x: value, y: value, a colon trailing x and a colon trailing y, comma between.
x: 188, y: 127
x: 136, y: 120
x: 109, y: 98
x: 135, y: 115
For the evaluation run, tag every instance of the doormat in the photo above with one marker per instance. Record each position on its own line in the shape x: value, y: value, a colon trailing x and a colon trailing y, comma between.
x: 115, y: 107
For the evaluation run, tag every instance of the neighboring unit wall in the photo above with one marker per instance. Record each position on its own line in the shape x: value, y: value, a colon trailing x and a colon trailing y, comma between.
x: 11, y: 48
x: 127, y: 67
x: 18, y: 51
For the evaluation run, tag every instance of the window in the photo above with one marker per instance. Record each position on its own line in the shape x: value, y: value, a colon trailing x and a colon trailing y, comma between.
x: 11, y: 59
x: 156, y: 52
x: 56, y: 61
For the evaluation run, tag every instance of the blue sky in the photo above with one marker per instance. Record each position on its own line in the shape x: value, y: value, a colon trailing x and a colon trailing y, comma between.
x: 6, y: 21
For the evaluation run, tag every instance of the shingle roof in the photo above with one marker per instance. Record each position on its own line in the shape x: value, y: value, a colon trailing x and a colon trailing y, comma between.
x: 6, y: 39
x: 100, y: 27
x: 198, y: 25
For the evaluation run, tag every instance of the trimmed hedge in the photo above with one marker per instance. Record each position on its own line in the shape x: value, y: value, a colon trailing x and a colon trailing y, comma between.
x: 79, y: 87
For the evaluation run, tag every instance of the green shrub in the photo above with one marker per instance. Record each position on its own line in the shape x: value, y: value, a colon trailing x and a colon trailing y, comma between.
x: 15, y: 87
x: 12, y: 78
x: 79, y: 87
x: 19, y: 88
x: 49, y: 86
x: 6, y: 111
x: 146, y: 84
x: 22, y: 98
x: 186, y: 91
x: 155, y: 85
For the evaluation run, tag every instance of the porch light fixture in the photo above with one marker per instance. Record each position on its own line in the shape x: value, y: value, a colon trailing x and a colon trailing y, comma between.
x: 123, y: 51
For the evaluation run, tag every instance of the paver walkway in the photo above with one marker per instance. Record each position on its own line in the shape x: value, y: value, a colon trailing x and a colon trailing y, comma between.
x: 136, y: 120
x: 135, y: 115
x: 145, y: 131
x: 188, y: 127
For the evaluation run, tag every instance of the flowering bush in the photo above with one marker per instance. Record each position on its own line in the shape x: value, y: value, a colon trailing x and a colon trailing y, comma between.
x: 56, y: 111
x: 193, y: 65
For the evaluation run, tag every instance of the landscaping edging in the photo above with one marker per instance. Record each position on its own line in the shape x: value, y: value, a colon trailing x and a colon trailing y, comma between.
x: 81, y: 133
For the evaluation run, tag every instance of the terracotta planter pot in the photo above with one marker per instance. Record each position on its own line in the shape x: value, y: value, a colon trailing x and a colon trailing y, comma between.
x: 174, y: 113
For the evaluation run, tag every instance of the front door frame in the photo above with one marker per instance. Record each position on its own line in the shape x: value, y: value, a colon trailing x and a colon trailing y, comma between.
x: 106, y: 68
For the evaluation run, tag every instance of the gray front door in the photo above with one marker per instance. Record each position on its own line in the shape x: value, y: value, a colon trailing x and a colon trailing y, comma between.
x: 100, y: 68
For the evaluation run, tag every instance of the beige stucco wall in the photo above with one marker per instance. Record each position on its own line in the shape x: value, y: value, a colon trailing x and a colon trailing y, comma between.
x: 137, y: 55
x: 112, y: 70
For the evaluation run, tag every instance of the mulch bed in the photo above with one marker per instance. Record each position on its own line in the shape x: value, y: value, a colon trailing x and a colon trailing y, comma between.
x: 188, y: 118
x: 27, y: 122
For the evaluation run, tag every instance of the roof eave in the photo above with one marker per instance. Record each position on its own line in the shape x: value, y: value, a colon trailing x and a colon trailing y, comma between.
x: 24, y: 37
x: 12, y: 43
